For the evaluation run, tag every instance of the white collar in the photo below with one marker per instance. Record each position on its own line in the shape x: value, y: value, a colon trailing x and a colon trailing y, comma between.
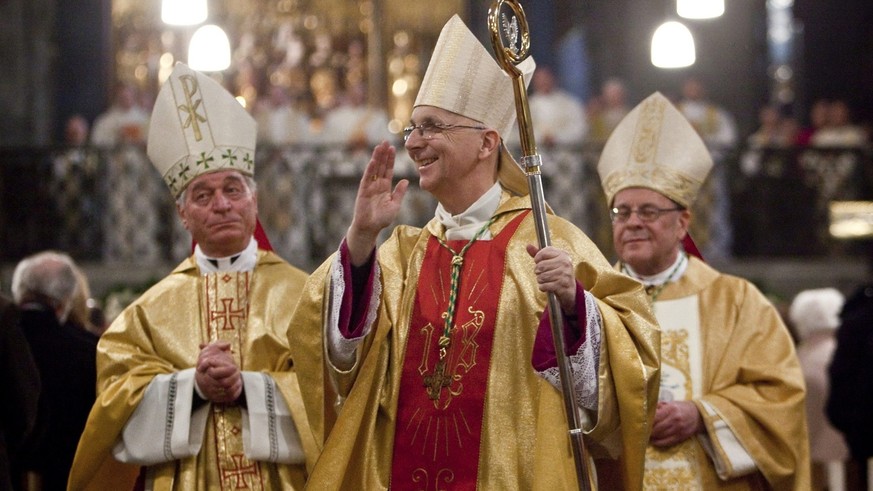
x: 465, y: 225
x: 244, y: 261
x: 672, y: 273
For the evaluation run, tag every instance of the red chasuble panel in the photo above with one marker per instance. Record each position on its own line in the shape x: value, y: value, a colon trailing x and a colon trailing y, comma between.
x: 439, y: 413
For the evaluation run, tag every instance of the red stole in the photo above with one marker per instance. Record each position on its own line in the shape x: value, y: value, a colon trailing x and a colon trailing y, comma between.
x: 436, y: 442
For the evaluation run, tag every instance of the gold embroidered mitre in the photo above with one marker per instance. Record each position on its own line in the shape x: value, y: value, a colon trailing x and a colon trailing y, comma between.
x: 463, y: 78
x: 198, y: 127
x: 655, y: 147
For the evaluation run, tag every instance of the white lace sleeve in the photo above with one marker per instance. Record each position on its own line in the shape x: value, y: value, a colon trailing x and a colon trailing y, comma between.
x: 585, y: 361
x: 341, y: 350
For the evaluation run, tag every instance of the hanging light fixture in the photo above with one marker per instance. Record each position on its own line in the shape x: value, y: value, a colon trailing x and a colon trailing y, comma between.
x: 209, y: 49
x: 700, y: 9
x: 183, y: 12
x: 672, y: 46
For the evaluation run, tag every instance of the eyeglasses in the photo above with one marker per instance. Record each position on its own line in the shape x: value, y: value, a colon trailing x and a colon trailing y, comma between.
x: 646, y: 213
x: 429, y: 130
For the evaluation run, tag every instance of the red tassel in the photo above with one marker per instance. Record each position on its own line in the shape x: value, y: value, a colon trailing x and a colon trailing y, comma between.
x: 261, y: 237
x: 691, y: 247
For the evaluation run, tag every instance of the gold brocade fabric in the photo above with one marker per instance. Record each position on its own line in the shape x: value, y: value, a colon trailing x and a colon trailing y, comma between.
x: 524, y: 441
x: 748, y: 371
x: 161, y: 333
x: 224, y: 304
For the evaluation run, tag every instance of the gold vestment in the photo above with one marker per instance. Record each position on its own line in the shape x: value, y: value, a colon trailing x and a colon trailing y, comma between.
x: 524, y: 431
x: 746, y: 369
x: 161, y: 333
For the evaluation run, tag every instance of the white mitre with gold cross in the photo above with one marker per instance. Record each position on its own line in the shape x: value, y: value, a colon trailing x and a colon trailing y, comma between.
x: 462, y: 77
x: 197, y: 127
x: 655, y: 147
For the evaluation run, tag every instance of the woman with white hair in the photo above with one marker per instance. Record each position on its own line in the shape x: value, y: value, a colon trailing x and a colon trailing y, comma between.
x: 816, y: 316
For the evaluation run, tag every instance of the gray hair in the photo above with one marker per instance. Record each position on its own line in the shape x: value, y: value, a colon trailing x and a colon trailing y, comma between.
x: 48, y: 278
x: 816, y: 310
x: 249, y: 180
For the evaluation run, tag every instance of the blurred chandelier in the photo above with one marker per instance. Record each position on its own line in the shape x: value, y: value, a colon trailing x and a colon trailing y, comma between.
x: 700, y: 9
x: 183, y: 12
x: 209, y: 49
x: 672, y: 46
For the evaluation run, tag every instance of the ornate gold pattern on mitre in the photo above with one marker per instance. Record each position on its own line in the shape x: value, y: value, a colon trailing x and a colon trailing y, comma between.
x: 463, y: 78
x: 198, y: 127
x: 655, y: 147
x: 646, y: 141
x: 225, y: 307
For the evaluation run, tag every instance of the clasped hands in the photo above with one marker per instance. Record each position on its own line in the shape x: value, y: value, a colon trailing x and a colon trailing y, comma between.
x: 217, y: 375
x: 675, y: 422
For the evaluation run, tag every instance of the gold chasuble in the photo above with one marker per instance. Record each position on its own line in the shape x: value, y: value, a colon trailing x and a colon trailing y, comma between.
x: 748, y: 386
x: 486, y: 420
x: 161, y: 333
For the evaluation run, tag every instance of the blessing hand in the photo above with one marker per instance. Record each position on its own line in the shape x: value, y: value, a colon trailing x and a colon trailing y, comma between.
x: 376, y: 205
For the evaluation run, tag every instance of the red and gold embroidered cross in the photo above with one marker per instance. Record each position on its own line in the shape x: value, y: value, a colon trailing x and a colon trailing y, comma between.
x: 240, y: 474
x: 227, y: 315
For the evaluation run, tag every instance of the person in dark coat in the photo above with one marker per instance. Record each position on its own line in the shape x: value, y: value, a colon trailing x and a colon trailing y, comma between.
x: 850, y: 401
x: 44, y: 286
x: 19, y: 394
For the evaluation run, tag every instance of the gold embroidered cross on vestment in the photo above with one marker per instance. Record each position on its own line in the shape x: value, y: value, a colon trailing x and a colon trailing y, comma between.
x: 438, y: 379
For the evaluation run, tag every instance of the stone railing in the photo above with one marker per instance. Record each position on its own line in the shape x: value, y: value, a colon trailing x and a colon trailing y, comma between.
x: 110, y: 206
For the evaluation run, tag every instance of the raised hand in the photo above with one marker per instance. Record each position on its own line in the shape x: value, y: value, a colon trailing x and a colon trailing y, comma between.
x: 376, y: 205
x: 554, y: 271
x: 217, y: 374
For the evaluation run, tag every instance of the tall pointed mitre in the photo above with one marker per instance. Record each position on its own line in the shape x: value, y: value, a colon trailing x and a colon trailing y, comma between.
x: 197, y: 127
x: 655, y: 147
x: 463, y: 78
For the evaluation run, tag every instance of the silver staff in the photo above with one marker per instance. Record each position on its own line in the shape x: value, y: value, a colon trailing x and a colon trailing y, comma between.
x: 515, y: 29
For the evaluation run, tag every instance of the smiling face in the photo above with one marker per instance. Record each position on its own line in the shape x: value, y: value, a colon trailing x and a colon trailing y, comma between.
x: 220, y: 210
x: 455, y: 165
x: 648, y: 247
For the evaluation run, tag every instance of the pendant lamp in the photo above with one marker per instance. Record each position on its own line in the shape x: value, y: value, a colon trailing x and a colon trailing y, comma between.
x: 209, y: 49
x: 183, y: 12
x: 672, y: 46
x: 700, y: 9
